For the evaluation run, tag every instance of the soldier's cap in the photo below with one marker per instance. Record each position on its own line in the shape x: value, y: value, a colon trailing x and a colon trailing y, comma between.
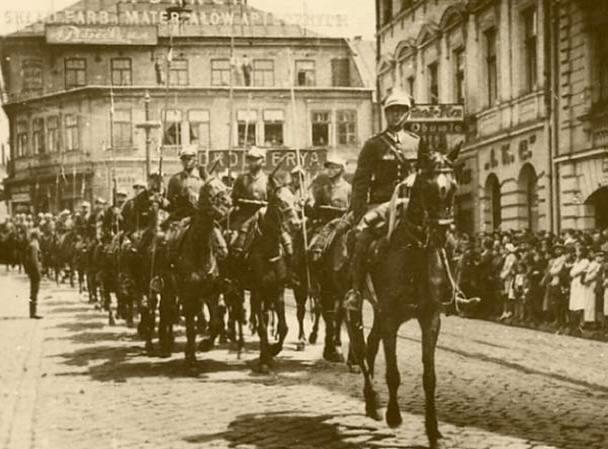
x: 121, y: 192
x: 85, y: 204
x: 65, y: 212
x: 398, y: 98
x: 188, y: 151
x: 140, y: 183
x: 100, y: 200
x: 48, y: 215
x: 334, y: 158
x: 256, y: 153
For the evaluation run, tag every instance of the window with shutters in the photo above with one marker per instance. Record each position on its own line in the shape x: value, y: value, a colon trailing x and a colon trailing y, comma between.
x: 172, y: 131
x: 38, y: 136
x: 198, y: 125
x: 346, y: 127
x: 22, y: 140
x: 320, y: 128
x: 121, y: 71
x: 305, y: 73
x: 178, y: 72
x: 75, y: 72
x: 263, y: 72
x: 220, y: 72
x: 122, y: 128
x: 340, y: 72
x: 31, y: 75
x: 71, y: 132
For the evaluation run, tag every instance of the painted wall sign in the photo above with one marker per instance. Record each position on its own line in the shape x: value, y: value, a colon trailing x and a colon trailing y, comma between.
x: 312, y: 160
x: 441, y: 126
x: 101, y: 35
x: 508, y: 155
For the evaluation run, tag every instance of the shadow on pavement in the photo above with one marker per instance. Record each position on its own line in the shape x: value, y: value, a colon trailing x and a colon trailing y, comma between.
x: 285, y: 429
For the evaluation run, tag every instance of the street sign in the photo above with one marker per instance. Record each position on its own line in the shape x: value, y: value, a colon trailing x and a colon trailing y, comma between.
x: 441, y: 126
x: 312, y: 160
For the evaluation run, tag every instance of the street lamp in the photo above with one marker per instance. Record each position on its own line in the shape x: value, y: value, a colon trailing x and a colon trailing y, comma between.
x: 148, y: 125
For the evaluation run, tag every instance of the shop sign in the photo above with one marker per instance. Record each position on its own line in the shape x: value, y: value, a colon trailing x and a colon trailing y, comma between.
x: 312, y: 160
x: 506, y: 155
x: 126, y: 177
x: 20, y: 198
x: 101, y: 35
x: 441, y: 126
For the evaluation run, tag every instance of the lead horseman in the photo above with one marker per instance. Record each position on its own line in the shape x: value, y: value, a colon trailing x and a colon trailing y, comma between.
x: 385, y: 160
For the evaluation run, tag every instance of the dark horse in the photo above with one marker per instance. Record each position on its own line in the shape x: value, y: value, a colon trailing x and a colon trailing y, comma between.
x: 410, y: 279
x: 269, y: 265
x: 194, y: 260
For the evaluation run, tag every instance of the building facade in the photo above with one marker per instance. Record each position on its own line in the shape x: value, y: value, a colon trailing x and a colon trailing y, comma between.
x: 581, y: 159
x: 76, y: 88
x: 491, y: 55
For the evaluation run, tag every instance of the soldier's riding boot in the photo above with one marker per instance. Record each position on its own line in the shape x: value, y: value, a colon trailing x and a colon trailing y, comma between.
x: 33, y: 314
x: 354, y: 298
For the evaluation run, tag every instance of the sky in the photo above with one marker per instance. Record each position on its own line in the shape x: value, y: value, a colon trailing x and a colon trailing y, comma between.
x: 336, y: 18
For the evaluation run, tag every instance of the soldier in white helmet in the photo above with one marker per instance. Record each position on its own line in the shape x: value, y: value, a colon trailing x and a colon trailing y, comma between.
x: 385, y: 160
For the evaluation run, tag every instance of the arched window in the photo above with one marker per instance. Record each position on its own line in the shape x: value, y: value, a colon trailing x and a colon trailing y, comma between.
x: 493, y: 209
x: 599, y: 201
x: 528, y: 198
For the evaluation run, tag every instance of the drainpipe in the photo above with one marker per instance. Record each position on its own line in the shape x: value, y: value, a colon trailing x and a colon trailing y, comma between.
x: 553, y: 24
x: 378, y: 56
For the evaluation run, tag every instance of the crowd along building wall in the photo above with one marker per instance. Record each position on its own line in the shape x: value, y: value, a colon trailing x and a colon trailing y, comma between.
x: 76, y: 87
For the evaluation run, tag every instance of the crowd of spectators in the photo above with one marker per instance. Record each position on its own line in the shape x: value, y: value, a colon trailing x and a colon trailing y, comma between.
x: 556, y: 283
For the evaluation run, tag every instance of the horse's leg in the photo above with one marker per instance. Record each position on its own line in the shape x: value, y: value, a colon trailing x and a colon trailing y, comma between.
x: 393, y: 378
x: 254, y: 305
x: 282, y: 327
x: 262, y: 329
x: 300, y: 295
x: 317, y: 312
x: 330, y: 352
x: 430, y: 326
x: 373, y: 342
x: 357, y: 347
x: 216, y: 323
x: 191, y: 308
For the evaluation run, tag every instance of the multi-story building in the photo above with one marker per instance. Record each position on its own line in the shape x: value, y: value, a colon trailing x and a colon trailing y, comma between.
x: 76, y: 88
x: 581, y: 121
x: 492, y: 56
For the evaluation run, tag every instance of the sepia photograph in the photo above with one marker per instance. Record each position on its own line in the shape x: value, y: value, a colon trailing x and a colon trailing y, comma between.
x: 304, y: 224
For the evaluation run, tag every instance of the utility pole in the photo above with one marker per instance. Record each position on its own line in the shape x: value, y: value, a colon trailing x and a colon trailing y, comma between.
x: 148, y: 125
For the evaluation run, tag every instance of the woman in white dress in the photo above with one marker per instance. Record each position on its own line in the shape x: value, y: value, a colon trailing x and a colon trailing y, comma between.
x: 578, y: 270
x: 592, y: 276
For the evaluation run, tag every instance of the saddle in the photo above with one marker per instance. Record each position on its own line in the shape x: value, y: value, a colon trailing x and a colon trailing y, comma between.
x: 241, y: 244
x: 175, y: 237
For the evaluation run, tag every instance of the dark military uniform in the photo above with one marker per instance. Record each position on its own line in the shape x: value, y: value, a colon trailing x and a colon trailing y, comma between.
x: 33, y: 269
x: 385, y: 160
x: 182, y: 193
x: 247, y: 187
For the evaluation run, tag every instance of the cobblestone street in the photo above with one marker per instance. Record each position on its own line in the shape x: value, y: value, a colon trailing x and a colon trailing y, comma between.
x: 71, y: 381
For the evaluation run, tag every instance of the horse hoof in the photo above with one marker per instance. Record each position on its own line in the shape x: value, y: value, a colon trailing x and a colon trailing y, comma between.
x: 393, y: 417
x: 149, y: 349
x: 205, y: 345
x: 333, y: 356
x: 312, y: 338
x: 373, y: 413
x: 300, y: 346
x: 274, y: 350
x: 165, y: 354
x: 354, y: 369
x: 263, y: 368
x: 436, y: 443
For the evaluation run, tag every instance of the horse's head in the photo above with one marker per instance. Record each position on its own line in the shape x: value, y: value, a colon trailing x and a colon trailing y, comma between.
x: 435, y: 189
x: 282, y: 200
x: 214, y: 197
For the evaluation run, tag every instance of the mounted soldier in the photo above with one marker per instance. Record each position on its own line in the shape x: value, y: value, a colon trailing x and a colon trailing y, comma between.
x: 183, y: 189
x: 249, y: 192
x: 386, y: 160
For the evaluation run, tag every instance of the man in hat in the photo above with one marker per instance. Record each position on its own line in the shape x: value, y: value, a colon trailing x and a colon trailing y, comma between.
x: 184, y: 187
x: 113, y: 218
x: 249, y: 190
x: 385, y: 160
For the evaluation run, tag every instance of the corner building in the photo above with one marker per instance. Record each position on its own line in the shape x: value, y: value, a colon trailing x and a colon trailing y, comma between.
x: 75, y: 89
x: 491, y: 55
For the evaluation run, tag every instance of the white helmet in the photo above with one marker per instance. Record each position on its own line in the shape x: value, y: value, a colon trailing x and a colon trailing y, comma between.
x: 334, y: 158
x: 188, y: 151
x: 398, y: 98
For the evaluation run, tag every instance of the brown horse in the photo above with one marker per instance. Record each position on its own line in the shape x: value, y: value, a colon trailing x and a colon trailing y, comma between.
x: 410, y: 280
